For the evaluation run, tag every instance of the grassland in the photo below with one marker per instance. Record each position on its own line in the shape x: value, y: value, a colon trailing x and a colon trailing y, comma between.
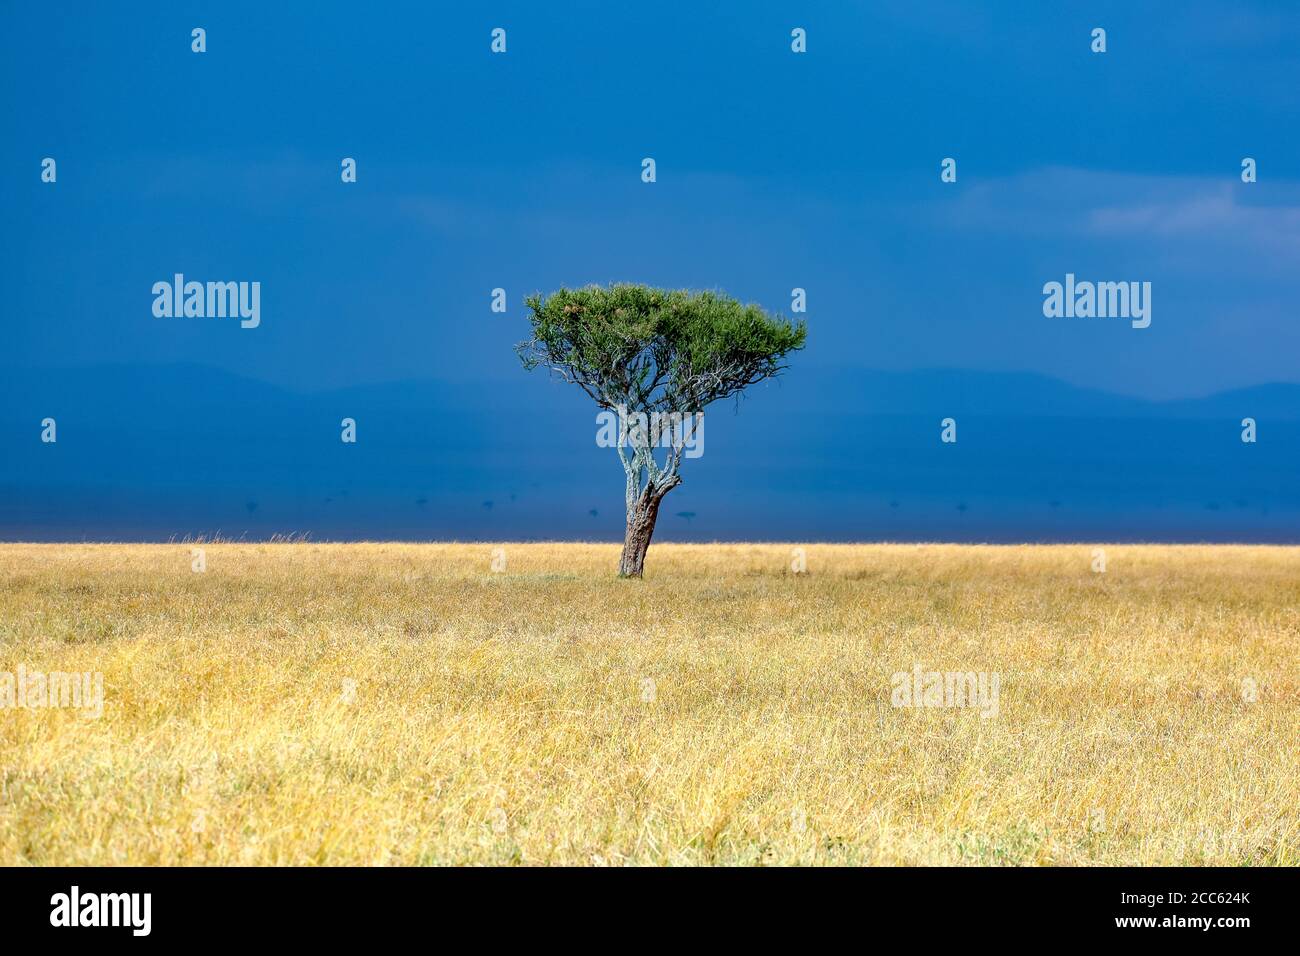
x: 404, y: 704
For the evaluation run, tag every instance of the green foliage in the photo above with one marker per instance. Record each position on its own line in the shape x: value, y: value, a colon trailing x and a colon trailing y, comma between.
x: 656, y: 349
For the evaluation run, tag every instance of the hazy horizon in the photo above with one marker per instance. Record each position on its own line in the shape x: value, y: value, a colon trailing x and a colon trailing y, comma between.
x: 155, y: 452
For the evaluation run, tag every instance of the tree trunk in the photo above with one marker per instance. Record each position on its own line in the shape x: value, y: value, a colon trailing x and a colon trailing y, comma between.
x: 640, y: 528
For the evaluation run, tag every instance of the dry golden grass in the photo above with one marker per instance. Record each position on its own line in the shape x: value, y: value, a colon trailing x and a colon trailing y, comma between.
x: 503, y: 718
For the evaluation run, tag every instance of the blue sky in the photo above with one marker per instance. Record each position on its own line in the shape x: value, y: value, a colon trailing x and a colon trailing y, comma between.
x: 775, y: 170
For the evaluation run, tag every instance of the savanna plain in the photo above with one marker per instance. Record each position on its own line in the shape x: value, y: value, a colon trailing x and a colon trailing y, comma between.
x: 304, y: 703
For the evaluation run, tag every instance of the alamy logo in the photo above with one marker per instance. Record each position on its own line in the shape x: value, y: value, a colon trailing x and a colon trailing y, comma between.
x: 918, y: 688
x: 619, y: 428
x: 36, y: 690
x: 1102, y: 300
x: 216, y: 300
x: 103, y: 909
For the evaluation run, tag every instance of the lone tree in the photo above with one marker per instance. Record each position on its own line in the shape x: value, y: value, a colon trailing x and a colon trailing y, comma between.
x: 654, y: 358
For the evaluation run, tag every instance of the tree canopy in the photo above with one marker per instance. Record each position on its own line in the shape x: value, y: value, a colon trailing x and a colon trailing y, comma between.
x: 649, y: 349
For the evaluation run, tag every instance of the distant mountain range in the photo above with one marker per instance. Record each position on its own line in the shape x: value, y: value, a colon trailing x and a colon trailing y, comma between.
x: 1010, y: 394
x: 1024, y: 394
x: 148, y: 452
